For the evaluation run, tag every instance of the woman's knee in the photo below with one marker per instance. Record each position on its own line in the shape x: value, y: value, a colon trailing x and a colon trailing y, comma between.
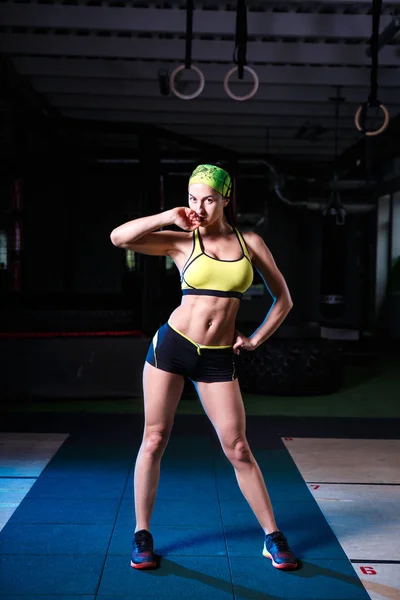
x: 155, y: 440
x: 237, y: 449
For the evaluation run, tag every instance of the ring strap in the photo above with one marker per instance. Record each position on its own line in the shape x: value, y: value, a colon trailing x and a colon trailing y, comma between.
x: 189, y: 34
x: 240, y: 53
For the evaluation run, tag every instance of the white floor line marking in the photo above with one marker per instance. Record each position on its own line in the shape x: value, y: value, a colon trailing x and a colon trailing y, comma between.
x: 23, y: 456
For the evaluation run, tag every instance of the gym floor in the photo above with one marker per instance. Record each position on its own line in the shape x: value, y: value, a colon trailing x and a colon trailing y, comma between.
x: 330, y: 463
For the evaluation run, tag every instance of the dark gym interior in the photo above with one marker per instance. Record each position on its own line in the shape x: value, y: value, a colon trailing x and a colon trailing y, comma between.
x: 98, y: 127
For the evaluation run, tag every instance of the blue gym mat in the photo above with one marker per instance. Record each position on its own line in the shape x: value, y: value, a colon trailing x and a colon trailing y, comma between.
x: 70, y: 538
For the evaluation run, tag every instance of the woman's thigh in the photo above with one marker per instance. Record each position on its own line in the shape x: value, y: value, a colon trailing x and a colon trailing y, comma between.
x: 162, y: 392
x: 223, y: 404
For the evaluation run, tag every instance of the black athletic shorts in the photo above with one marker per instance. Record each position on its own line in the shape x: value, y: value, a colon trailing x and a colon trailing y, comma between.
x: 174, y: 352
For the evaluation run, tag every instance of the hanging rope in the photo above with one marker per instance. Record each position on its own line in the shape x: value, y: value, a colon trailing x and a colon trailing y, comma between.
x: 361, y: 114
x: 188, y: 58
x: 240, y: 54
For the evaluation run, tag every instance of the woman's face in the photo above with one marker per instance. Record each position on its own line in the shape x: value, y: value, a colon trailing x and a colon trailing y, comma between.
x: 206, y: 202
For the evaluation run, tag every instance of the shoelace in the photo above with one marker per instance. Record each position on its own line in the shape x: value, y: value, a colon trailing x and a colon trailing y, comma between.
x: 280, y: 543
x: 143, y: 543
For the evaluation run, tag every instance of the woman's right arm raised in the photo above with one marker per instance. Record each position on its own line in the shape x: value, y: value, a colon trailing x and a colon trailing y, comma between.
x: 141, y: 234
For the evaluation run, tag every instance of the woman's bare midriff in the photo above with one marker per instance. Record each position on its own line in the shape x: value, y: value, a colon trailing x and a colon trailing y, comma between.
x: 208, y: 320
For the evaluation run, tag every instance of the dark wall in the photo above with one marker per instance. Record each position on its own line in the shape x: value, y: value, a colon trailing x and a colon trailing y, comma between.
x: 68, y: 217
x: 295, y: 237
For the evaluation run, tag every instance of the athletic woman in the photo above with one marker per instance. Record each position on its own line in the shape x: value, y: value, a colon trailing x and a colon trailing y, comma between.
x: 200, y: 342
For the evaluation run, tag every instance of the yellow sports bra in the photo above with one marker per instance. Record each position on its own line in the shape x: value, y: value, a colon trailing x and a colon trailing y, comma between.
x: 205, y: 275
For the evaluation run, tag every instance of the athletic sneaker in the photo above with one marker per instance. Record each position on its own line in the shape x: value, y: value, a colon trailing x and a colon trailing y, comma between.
x: 277, y: 549
x: 143, y: 556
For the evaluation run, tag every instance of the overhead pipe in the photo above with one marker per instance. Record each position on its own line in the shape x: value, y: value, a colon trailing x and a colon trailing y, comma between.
x: 386, y: 36
x: 314, y: 205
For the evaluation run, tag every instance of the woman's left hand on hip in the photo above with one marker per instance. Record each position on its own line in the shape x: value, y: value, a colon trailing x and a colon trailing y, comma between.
x: 242, y: 342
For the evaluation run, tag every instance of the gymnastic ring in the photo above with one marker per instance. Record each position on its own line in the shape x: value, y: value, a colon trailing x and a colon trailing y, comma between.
x: 186, y: 96
x: 252, y: 91
x: 378, y: 131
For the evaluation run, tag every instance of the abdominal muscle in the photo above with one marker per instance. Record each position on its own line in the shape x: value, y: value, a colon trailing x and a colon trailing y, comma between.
x: 207, y: 320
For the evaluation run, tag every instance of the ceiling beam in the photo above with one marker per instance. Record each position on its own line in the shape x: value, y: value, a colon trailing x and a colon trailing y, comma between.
x: 151, y: 49
x: 314, y: 153
x: 173, y: 104
x: 132, y: 70
x: 266, y: 92
x: 238, y: 142
x: 359, y: 4
x: 138, y: 129
x: 173, y: 21
x: 257, y: 132
x: 162, y: 118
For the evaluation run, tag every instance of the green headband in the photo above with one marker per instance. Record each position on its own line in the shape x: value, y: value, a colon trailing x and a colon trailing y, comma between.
x: 213, y: 176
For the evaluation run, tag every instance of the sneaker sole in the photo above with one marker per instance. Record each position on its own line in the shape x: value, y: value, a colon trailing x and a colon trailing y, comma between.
x: 145, y: 565
x: 286, y: 566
